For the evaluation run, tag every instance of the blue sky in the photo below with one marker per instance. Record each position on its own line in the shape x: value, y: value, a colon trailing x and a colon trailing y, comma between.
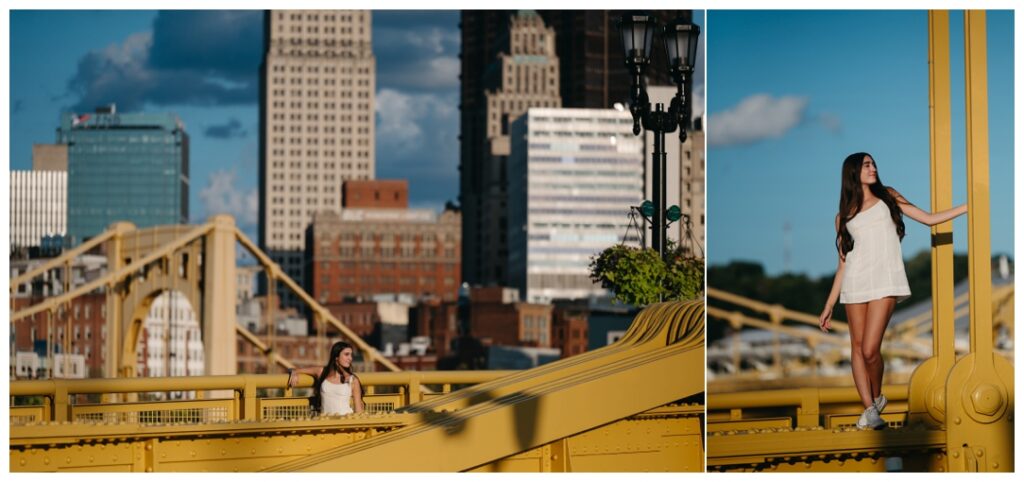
x: 791, y: 94
x: 203, y: 66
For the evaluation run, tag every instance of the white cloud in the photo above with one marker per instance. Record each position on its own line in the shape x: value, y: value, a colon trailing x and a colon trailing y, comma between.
x: 405, y: 118
x: 222, y: 196
x: 754, y: 119
x: 697, y: 105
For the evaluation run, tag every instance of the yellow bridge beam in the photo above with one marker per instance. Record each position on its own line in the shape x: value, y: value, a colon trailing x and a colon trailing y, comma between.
x: 540, y: 406
x: 115, y: 276
x: 979, y: 389
x: 928, y: 383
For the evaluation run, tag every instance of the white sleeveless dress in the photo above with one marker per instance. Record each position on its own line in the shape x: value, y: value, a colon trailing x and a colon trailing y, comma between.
x: 874, y: 268
x: 335, y: 398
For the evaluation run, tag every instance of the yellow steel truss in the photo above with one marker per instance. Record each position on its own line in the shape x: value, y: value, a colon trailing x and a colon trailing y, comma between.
x: 627, y: 406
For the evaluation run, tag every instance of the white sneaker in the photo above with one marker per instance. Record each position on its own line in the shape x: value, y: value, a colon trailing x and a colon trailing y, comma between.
x: 870, y: 419
x: 880, y: 403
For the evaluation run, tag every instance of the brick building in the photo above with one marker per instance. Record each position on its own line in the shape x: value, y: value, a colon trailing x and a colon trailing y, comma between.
x: 307, y: 351
x: 359, y: 253
x: 437, y: 320
x: 497, y: 316
x: 385, y: 194
x: 87, y: 335
x: 569, y: 329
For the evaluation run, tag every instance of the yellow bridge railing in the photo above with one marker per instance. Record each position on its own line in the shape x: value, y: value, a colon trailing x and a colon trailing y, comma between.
x: 53, y: 400
x: 797, y: 407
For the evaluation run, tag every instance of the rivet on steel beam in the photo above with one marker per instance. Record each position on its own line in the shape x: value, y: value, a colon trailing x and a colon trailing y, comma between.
x: 979, y: 452
x: 956, y: 420
x: 956, y: 454
x: 995, y: 465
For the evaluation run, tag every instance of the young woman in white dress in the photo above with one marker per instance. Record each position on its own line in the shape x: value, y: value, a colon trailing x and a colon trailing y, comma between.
x: 870, y: 278
x: 335, y: 386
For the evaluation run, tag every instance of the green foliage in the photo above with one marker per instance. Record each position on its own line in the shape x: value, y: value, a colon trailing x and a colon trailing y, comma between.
x: 638, y: 277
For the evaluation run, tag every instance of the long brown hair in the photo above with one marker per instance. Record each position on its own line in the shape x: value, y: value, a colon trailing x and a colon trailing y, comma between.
x: 851, y: 201
x: 330, y: 368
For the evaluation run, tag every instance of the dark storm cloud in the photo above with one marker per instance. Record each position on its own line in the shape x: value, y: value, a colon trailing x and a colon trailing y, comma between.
x: 203, y: 58
x: 231, y: 129
x: 224, y: 43
x: 417, y: 51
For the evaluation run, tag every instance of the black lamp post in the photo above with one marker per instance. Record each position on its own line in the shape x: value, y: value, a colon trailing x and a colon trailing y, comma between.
x: 680, y: 36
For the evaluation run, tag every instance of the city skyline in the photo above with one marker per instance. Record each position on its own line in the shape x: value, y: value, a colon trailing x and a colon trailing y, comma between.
x: 204, y: 67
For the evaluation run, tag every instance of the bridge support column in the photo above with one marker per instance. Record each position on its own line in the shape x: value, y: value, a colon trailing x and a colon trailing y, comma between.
x: 218, y: 310
x: 115, y: 261
x: 926, y: 399
x: 979, y: 390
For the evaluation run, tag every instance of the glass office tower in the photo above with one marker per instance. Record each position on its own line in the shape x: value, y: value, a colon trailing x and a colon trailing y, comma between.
x: 124, y: 167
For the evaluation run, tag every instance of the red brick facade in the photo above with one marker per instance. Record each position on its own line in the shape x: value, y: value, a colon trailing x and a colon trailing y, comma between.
x: 569, y: 331
x: 361, y: 253
x: 437, y: 320
x: 88, y: 332
x: 393, y: 194
x: 494, y: 318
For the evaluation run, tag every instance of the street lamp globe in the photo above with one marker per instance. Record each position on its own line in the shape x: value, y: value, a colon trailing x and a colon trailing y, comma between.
x: 637, y: 31
x: 681, y: 46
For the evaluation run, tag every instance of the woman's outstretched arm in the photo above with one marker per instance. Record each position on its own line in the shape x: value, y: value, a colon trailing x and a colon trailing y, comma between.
x: 295, y: 372
x: 825, y: 319
x: 925, y: 217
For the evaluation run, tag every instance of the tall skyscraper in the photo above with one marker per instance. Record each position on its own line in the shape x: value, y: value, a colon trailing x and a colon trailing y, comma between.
x: 589, y: 48
x: 590, y: 74
x: 317, y: 85
x: 39, y: 199
x: 124, y: 167
x: 523, y: 74
x: 573, y: 175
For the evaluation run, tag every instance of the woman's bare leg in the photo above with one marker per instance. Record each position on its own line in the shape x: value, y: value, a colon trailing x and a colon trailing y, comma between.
x: 878, y: 314
x: 856, y: 314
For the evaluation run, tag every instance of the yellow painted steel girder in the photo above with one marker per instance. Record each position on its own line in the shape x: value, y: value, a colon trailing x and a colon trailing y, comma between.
x: 654, y: 328
x: 539, y: 406
x: 114, y: 276
x: 807, y: 449
x: 605, y: 416
x: 979, y: 389
x: 667, y: 438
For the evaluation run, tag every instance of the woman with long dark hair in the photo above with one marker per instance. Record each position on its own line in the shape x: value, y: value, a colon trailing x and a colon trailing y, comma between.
x: 870, y: 279
x: 335, y: 384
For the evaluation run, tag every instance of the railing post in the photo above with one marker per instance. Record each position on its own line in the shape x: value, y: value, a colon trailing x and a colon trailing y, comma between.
x: 414, y: 395
x: 61, y: 407
x: 807, y: 412
x: 249, y: 400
